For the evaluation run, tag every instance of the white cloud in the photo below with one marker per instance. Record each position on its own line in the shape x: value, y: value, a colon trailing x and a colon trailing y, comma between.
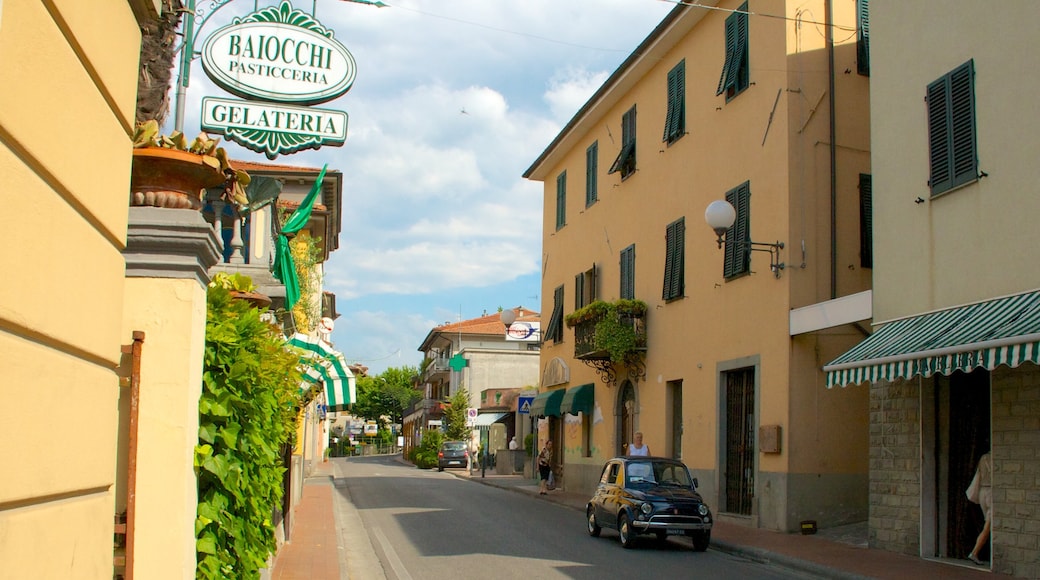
x: 569, y: 89
x: 434, y: 202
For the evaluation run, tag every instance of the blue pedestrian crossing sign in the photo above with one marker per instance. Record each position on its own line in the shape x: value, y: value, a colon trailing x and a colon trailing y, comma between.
x: 524, y: 405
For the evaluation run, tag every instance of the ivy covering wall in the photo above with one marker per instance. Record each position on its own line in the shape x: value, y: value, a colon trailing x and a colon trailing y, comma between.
x: 247, y: 412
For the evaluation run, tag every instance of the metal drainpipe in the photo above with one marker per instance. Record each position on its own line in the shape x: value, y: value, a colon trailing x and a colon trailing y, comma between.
x: 829, y: 10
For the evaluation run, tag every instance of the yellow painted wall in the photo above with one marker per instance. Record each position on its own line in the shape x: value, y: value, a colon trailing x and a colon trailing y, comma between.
x: 68, y: 75
x: 720, y: 322
x: 172, y: 314
x: 981, y: 240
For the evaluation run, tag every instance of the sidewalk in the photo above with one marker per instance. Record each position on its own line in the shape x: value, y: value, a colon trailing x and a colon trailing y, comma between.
x: 313, y: 551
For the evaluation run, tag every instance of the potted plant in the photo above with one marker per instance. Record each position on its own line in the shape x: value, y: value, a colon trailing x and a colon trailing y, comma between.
x: 241, y: 288
x: 170, y: 172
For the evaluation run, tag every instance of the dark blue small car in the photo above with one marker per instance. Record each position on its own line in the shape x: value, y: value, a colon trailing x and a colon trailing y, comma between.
x: 649, y: 495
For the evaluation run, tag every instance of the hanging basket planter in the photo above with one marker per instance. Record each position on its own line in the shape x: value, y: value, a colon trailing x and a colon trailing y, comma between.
x: 170, y: 178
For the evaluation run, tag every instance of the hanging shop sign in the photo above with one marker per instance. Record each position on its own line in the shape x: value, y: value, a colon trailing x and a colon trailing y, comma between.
x: 273, y: 129
x: 280, y: 59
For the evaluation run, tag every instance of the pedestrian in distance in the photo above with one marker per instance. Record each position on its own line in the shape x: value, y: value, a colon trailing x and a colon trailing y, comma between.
x: 980, y: 491
x: 544, y: 467
x: 513, y: 445
x: 636, y: 447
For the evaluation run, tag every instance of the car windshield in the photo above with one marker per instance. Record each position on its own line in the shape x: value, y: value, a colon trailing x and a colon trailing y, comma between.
x: 454, y: 446
x: 657, y: 473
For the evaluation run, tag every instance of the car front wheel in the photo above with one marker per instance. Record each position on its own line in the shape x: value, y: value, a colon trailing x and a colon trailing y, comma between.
x: 594, y: 528
x: 625, y: 531
x: 701, y: 539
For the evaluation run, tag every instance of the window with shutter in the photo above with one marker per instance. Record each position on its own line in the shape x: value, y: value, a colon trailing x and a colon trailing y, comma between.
x: 675, y: 119
x: 735, y: 74
x: 866, y: 222
x: 953, y: 155
x: 554, y: 331
x: 628, y: 272
x: 591, y: 170
x: 585, y: 288
x: 561, y: 200
x: 863, y: 37
x: 738, y: 237
x: 674, y: 260
x: 626, y: 159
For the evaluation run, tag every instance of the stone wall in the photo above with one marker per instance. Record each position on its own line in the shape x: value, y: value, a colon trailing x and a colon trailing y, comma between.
x: 895, y: 467
x: 1016, y: 471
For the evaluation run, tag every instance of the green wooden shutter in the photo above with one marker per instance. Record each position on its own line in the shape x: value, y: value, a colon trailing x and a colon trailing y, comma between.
x: 628, y: 272
x: 674, y: 266
x: 940, y: 176
x: 735, y: 75
x: 866, y: 222
x: 731, y: 54
x: 863, y: 37
x: 952, y: 154
x: 675, y: 120
x: 738, y: 250
x: 561, y: 200
x: 579, y: 290
x: 962, y: 124
x: 554, y: 331
x: 740, y: 82
x: 591, y: 288
x: 591, y: 171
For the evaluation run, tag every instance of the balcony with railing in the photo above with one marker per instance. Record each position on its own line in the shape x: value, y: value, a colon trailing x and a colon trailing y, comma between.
x: 609, y: 334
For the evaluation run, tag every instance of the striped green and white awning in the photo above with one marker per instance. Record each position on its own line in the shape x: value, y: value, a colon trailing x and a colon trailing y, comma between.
x: 323, y: 364
x: 1003, y: 331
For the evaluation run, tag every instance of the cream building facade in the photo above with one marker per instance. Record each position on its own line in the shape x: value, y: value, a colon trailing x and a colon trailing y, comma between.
x: 737, y: 101
x: 951, y: 367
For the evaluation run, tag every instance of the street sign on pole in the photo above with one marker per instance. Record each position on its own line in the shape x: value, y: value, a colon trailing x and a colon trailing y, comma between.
x: 471, y: 416
x: 524, y: 405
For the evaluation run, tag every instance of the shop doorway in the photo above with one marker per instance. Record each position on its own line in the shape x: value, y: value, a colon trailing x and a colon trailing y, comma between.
x: 955, y: 434
x: 739, y: 440
x: 626, y: 415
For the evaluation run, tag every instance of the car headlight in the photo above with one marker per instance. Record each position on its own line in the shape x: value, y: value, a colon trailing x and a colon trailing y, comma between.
x: 646, y: 508
x: 702, y: 509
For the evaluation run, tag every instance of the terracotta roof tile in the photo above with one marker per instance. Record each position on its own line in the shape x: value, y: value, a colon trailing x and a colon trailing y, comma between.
x: 487, y: 324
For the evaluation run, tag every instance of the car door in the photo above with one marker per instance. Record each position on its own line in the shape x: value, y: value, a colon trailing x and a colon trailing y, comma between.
x: 606, y: 495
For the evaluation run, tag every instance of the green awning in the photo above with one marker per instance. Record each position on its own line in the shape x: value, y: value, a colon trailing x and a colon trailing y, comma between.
x: 578, y: 399
x: 1003, y: 331
x: 547, y: 404
x: 322, y: 364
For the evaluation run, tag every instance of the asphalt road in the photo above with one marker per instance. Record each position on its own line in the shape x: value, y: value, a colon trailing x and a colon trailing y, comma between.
x: 411, y: 524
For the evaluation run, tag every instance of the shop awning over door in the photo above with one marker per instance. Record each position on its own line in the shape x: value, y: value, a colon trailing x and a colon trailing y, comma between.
x: 578, y: 399
x: 985, y: 335
x: 547, y: 404
x: 321, y: 363
x: 485, y: 420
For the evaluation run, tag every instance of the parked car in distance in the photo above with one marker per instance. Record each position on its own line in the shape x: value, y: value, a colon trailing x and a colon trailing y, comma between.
x: 452, y: 454
x: 649, y: 495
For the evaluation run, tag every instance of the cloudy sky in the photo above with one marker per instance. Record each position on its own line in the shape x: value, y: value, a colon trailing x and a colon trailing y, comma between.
x: 453, y: 101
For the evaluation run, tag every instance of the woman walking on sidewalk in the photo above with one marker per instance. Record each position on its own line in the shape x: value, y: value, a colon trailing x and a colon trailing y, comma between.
x: 544, y: 469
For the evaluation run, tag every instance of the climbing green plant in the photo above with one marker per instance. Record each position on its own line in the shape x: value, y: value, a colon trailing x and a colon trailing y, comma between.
x: 306, y: 253
x: 247, y: 413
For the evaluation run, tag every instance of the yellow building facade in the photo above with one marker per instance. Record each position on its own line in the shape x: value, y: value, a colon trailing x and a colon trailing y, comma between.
x: 68, y: 85
x: 743, y: 101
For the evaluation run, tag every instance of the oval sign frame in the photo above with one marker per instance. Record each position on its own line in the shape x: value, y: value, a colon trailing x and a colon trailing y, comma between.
x: 282, y: 23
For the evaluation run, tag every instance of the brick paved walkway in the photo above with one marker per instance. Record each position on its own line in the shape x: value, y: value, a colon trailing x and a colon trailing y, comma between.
x: 312, y: 552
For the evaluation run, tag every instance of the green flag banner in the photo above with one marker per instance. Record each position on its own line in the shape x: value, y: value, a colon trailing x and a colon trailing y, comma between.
x: 284, y: 268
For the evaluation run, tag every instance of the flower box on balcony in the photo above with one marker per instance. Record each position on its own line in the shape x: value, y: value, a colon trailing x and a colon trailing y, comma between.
x: 614, y: 331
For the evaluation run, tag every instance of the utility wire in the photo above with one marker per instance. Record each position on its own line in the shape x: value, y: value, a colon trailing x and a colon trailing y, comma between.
x: 749, y: 13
